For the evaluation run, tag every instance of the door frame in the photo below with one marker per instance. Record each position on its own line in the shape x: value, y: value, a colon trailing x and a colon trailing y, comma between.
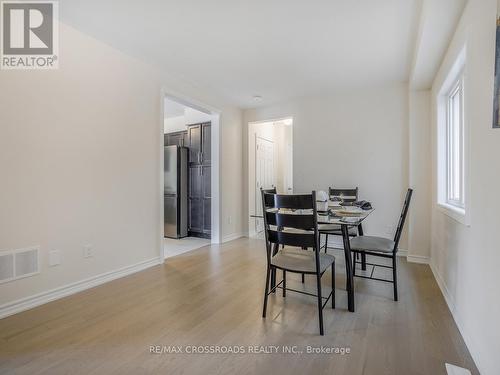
x: 216, y: 209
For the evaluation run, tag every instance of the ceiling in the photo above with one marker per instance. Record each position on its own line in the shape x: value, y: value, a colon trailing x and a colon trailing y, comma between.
x: 437, y: 24
x: 275, y: 49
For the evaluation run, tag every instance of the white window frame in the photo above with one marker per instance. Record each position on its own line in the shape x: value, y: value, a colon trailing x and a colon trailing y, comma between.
x: 455, y: 146
x: 457, y: 209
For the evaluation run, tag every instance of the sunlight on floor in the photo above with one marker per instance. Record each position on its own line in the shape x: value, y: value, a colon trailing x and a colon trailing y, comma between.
x: 175, y: 247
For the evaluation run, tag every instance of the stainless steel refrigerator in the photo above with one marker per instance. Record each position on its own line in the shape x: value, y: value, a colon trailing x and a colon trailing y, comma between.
x: 176, y: 191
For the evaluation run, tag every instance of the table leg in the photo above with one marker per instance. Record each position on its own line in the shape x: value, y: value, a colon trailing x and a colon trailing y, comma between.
x: 363, y: 255
x: 348, y: 268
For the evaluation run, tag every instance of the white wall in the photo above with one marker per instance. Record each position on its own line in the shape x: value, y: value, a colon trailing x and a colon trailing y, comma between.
x: 419, y: 216
x: 80, y: 161
x: 231, y: 174
x: 283, y: 139
x: 355, y: 138
x: 466, y: 260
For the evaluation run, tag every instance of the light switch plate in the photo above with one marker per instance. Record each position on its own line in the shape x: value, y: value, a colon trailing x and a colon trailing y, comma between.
x: 54, y: 258
x: 88, y: 251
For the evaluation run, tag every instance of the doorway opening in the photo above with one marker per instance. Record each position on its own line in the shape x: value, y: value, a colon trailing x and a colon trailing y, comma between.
x: 190, y: 184
x: 270, y: 164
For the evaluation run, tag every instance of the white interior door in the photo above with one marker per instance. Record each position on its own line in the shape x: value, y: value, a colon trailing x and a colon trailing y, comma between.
x: 264, y: 174
x: 289, y: 168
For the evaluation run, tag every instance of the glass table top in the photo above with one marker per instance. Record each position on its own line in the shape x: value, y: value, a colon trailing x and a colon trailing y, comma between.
x: 348, y: 215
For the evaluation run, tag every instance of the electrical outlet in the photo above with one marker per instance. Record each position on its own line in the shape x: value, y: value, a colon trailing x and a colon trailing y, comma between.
x: 390, y: 230
x: 88, y: 252
x: 230, y: 220
x: 54, y: 258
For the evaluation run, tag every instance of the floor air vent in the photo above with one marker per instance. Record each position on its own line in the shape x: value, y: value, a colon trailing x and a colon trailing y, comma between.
x: 17, y: 264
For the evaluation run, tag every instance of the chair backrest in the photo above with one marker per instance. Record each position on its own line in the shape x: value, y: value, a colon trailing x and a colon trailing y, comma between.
x: 267, y: 200
x: 293, y: 218
x: 268, y: 197
x: 402, y: 219
x: 348, y: 195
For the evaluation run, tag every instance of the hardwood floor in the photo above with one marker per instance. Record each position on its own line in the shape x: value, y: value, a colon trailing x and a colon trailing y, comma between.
x: 213, y: 296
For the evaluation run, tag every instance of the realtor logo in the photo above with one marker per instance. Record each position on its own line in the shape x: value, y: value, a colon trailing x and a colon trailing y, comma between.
x: 29, y: 35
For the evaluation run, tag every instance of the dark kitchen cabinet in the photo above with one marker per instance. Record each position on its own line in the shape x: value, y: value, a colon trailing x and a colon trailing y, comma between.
x: 199, y: 140
x: 196, y: 217
x: 195, y: 182
x: 207, y: 216
x: 194, y: 143
x: 206, y: 174
x: 176, y: 139
x: 206, y: 139
x: 200, y: 172
x: 206, y: 177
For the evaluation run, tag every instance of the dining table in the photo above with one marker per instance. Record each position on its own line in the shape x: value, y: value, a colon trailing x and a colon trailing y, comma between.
x: 345, y: 217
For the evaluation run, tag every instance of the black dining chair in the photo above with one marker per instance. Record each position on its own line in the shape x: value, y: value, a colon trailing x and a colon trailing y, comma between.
x: 348, y: 196
x: 382, y: 247
x: 268, y: 202
x: 293, y: 221
x: 268, y: 197
x: 344, y: 195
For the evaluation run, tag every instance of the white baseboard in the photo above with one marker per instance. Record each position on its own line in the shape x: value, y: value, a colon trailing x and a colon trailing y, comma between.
x: 402, y: 253
x: 450, y: 301
x: 413, y: 258
x: 232, y: 237
x: 444, y: 290
x: 417, y: 259
x: 27, y: 303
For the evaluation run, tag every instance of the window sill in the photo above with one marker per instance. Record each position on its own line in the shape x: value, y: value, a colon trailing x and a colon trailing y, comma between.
x: 456, y: 213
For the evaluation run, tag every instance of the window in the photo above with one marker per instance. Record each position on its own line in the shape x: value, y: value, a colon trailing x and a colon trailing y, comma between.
x: 452, y: 165
x: 455, y: 145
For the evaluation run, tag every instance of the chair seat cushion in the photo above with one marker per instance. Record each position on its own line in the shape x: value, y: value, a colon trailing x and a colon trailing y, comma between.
x: 301, y: 260
x: 369, y: 243
x: 335, y: 229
